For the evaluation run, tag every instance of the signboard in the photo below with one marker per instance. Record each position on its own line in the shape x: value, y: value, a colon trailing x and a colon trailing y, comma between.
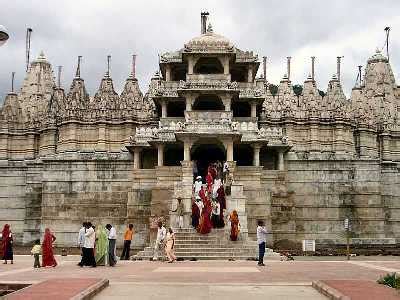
x: 347, y: 224
x: 308, y: 245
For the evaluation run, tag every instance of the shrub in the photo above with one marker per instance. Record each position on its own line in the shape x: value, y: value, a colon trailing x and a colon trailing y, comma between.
x: 390, y: 280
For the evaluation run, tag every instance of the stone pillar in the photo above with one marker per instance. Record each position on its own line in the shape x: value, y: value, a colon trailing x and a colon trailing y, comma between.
x: 189, y: 102
x: 229, y: 150
x: 253, y: 109
x: 167, y: 73
x: 281, y: 161
x: 226, y: 65
x: 163, y: 109
x: 256, y: 155
x: 136, y: 158
x: 226, y: 100
x: 190, y: 65
x: 186, y: 150
x: 160, y: 155
x: 250, y: 74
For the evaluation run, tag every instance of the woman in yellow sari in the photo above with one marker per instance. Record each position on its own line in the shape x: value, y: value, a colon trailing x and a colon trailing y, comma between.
x: 101, y: 246
x: 234, y: 219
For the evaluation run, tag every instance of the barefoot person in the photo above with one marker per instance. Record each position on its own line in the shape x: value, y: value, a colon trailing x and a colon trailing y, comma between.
x: 36, y: 250
x: 7, y: 244
x: 180, y: 209
x: 101, y: 247
x: 88, y: 247
x: 112, y: 239
x: 128, y: 235
x: 170, y: 246
x: 161, y: 234
x: 48, y: 259
x: 234, y: 218
x: 261, y: 239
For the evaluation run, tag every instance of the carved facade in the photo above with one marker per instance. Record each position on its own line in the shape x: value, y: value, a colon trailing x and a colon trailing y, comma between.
x: 303, y: 163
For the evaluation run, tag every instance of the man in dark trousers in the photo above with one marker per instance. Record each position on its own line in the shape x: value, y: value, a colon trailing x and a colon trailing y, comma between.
x: 261, y: 239
x: 127, y: 242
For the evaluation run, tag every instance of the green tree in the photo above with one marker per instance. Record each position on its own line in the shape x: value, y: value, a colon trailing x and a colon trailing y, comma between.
x: 297, y: 89
x: 273, y: 89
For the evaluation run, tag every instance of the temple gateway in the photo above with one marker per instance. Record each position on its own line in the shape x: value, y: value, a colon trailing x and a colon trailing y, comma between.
x: 302, y: 162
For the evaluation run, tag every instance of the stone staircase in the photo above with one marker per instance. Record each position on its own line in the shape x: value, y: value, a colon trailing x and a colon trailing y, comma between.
x: 213, y: 246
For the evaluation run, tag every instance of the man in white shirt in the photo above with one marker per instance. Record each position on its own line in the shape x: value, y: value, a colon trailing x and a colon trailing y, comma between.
x: 112, y: 238
x: 159, y: 245
x: 81, y: 235
x: 261, y: 240
x: 197, y: 187
x: 88, y: 247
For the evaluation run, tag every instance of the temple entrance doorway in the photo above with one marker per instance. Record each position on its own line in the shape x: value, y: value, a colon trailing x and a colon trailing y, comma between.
x: 205, y: 152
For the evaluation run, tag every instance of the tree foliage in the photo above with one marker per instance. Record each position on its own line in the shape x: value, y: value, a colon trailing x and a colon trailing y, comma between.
x: 273, y: 89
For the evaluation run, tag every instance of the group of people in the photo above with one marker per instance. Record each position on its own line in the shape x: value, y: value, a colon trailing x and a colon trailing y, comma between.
x: 99, y: 245
x: 45, y: 248
x: 209, y: 201
x: 165, y: 241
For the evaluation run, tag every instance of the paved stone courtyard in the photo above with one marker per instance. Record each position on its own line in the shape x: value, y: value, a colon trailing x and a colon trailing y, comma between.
x: 208, y: 279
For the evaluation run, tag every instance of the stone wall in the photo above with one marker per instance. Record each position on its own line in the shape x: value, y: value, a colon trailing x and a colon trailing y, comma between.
x: 75, y: 191
x: 12, y: 196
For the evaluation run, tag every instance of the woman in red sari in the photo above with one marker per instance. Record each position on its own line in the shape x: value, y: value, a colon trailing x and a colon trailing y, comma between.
x: 209, y: 181
x: 205, y: 221
x: 234, y: 218
x: 48, y: 259
x: 6, y: 243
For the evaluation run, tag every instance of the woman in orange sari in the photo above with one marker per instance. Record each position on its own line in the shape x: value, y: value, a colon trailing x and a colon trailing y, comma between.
x: 48, y: 259
x: 234, y: 218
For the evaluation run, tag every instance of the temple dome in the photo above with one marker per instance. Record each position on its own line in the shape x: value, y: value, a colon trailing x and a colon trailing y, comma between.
x: 209, y: 41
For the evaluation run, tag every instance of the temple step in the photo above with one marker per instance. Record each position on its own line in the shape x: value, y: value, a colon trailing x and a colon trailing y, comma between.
x: 213, y: 246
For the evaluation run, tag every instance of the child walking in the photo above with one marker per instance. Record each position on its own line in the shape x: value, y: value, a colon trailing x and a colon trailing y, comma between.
x: 36, y: 250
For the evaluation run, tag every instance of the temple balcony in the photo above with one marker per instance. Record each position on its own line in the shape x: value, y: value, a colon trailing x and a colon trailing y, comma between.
x: 208, y: 82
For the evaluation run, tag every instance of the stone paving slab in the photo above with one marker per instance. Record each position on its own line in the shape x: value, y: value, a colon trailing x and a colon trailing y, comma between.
x: 60, y: 289
x: 143, y: 271
x: 208, y: 292
x: 363, y: 290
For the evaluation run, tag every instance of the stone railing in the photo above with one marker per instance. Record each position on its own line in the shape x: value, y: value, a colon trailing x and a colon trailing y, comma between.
x: 272, y: 132
x: 210, y: 77
x: 165, y: 89
x: 208, y: 82
x: 208, y: 116
x: 208, y: 121
x: 172, y: 124
x: 250, y: 90
x: 246, y: 56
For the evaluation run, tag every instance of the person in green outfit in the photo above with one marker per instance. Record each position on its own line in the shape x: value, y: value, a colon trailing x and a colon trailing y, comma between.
x: 101, y: 246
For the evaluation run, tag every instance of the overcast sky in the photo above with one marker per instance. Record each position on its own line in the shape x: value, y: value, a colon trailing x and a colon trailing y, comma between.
x: 276, y: 29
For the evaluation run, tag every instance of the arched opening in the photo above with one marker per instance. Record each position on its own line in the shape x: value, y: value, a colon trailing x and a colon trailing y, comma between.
x: 241, y: 109
x: 158, y: 109
x: 178, y: 72
x: 238, y: 73
x: 148, y: 158
x: 176, y: 108
x: 208, y: 65
x: 208, y: 102
x: 173, y: 154
x: 269, y: 158
x: 243, y: 154
x: 205, y: 152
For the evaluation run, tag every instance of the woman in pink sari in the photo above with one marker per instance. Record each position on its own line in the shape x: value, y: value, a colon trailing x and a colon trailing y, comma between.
x: 48, y: 259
